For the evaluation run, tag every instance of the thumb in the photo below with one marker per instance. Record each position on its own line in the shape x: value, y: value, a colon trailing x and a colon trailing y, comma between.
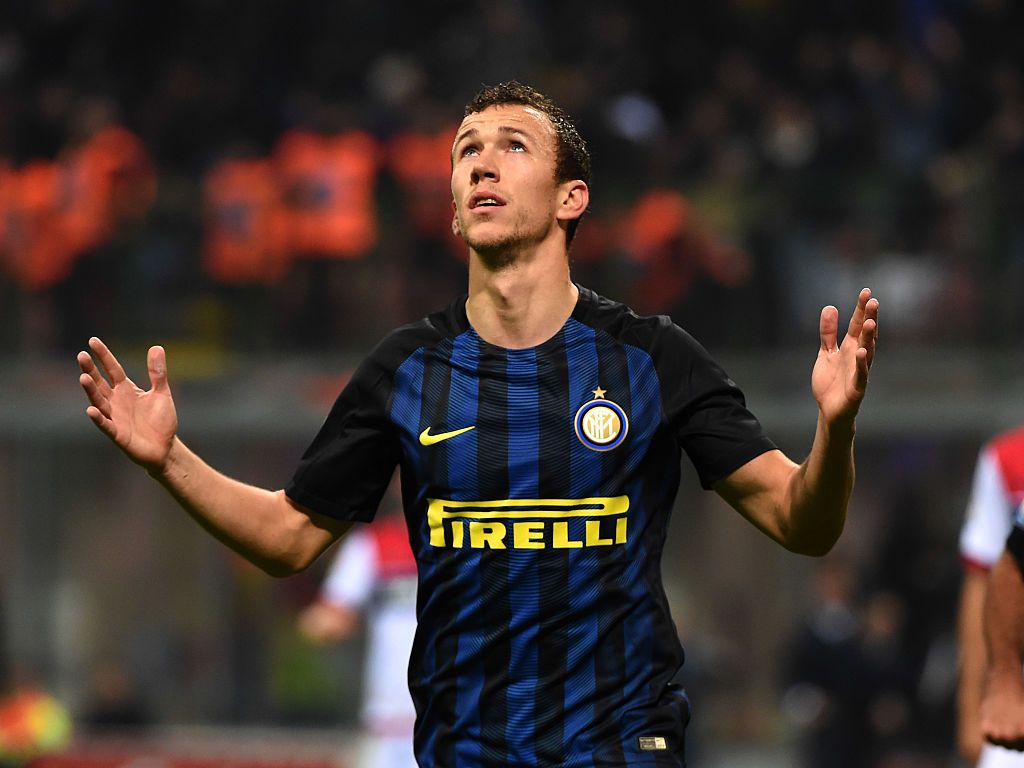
x: 156, y: 362
x: 828, y: 328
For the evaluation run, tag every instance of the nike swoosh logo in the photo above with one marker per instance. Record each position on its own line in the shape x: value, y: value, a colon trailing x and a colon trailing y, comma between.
x: 428, y: 439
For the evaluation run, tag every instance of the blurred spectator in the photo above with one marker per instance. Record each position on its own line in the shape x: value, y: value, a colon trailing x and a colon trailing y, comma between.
x: 372, y: 578
x: 827, y: 682
x: 997, y: 489
x: 804, y: 137
x: 851, y: 677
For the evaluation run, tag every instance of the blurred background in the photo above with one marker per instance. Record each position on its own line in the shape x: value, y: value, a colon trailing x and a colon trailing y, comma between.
x: 263, y: 189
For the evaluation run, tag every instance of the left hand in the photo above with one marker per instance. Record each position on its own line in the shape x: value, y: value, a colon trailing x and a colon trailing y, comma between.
x: 840, y: 376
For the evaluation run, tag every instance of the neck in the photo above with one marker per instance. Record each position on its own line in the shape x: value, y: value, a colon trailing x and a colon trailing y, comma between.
x: 522, y: 303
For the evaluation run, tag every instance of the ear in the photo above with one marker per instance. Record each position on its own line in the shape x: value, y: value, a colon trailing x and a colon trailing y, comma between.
x: 455, y: 221
x: 575, y: 197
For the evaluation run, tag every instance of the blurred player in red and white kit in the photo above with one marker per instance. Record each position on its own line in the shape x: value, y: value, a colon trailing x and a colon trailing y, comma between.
x: 997, y: 490
x: 373, y: 578
x: 1002, y: 710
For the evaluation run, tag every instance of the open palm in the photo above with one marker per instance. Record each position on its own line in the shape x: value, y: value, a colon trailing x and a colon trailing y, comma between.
x: 141, y: 423
x: 840, y: 376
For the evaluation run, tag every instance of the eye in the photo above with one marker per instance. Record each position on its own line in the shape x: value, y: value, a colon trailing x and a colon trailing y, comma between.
x: 516, y: 146
x: 467, y: 150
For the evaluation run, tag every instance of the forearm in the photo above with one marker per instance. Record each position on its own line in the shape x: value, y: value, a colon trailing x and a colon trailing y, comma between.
x: 259, y: 524
x: 1002, y: 710
x: 1004, y: 618
x: 972, y: 664
x: 819, y: 491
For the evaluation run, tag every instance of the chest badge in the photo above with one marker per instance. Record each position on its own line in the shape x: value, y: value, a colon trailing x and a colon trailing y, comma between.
x: 601, y: 424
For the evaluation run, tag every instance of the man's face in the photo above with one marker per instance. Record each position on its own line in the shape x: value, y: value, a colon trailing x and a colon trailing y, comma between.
x: 503, y: 179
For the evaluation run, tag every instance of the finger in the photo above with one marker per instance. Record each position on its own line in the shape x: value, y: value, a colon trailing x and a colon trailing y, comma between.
x: 828, y: 326
x: 97, y: 399
x: 869, y: 339
x: 111, y: 367
x: 860, y: 375
x: 105, y: 425
x: 860, y: 313
x: 156, y: 362
x: 85, y: 362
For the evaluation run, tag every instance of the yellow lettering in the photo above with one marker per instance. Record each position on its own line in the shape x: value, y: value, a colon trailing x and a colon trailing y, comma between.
x: 483, y: 535
x: 560, y: 536
x: 532, y: 521
x: 528, y: 535
x: 594, y: 535
x: 436, y: 522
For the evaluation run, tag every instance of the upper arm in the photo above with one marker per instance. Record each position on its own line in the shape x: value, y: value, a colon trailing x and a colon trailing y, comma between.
x: 759, y: 490
x: 314, y: 532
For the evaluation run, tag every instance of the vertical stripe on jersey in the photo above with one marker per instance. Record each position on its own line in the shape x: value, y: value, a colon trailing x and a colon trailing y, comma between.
x: 406, y: 408
x: 490, y: 674
x: 436, y: 386
x: 585, y: 466
x: 644, y: 550
x: 613, y: 664
x: 554, y: 470
x: 523, y: 577
x: 665, y: 651
x: 463, y: 485
x: 406, y: 402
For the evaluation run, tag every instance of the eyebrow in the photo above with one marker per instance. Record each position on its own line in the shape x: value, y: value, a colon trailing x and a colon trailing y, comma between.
x: 503, y: 129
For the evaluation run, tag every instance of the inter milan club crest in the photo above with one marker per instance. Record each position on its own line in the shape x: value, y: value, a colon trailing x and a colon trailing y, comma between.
x: 601, y: 424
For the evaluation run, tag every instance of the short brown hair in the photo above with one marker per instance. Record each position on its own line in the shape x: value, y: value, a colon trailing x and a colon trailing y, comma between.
x: 572, y: 158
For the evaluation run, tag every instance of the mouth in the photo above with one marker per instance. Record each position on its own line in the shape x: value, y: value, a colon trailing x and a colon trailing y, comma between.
x: 485, y: 200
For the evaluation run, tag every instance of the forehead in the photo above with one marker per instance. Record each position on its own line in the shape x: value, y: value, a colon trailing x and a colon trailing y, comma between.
x: 519, y: 117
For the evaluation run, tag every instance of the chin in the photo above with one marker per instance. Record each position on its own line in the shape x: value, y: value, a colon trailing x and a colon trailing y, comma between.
x: 494, y: 243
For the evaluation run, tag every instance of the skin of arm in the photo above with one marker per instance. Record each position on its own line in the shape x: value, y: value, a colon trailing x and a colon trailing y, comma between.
x: 973, y: 661
x: 803, y: 506
x: 1002, y: 709
x: 264, y: 526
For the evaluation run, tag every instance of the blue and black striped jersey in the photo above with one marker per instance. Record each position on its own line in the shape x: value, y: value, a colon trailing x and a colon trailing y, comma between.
x: 537, y: 485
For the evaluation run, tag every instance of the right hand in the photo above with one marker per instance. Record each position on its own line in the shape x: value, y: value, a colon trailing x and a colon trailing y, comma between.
x: 142, y: 424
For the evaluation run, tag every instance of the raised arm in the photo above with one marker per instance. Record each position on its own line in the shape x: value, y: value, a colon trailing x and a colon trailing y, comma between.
x: 264, y: 526
x: 803, y: 506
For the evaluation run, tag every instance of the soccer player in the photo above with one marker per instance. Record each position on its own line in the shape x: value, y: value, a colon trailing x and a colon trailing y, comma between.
x: 539, y: 428
x: 1002, y: 710
x: 996, y: 490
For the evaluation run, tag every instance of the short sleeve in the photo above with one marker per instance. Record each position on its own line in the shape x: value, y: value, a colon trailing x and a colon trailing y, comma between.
x: 346, y: 469
x: 989, y: 513
x: 707, y: 410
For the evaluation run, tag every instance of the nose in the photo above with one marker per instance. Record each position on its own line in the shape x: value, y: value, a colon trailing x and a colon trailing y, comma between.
x: 484, y: 167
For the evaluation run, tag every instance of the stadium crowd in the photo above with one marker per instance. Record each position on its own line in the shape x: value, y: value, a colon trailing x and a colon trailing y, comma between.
x: 279, y: 176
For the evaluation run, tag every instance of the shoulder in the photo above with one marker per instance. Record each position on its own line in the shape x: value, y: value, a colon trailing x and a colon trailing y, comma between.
x: 1005, y: 453
x: 622, y: 323
x: 1009, y: 443
x: 404, y: 342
